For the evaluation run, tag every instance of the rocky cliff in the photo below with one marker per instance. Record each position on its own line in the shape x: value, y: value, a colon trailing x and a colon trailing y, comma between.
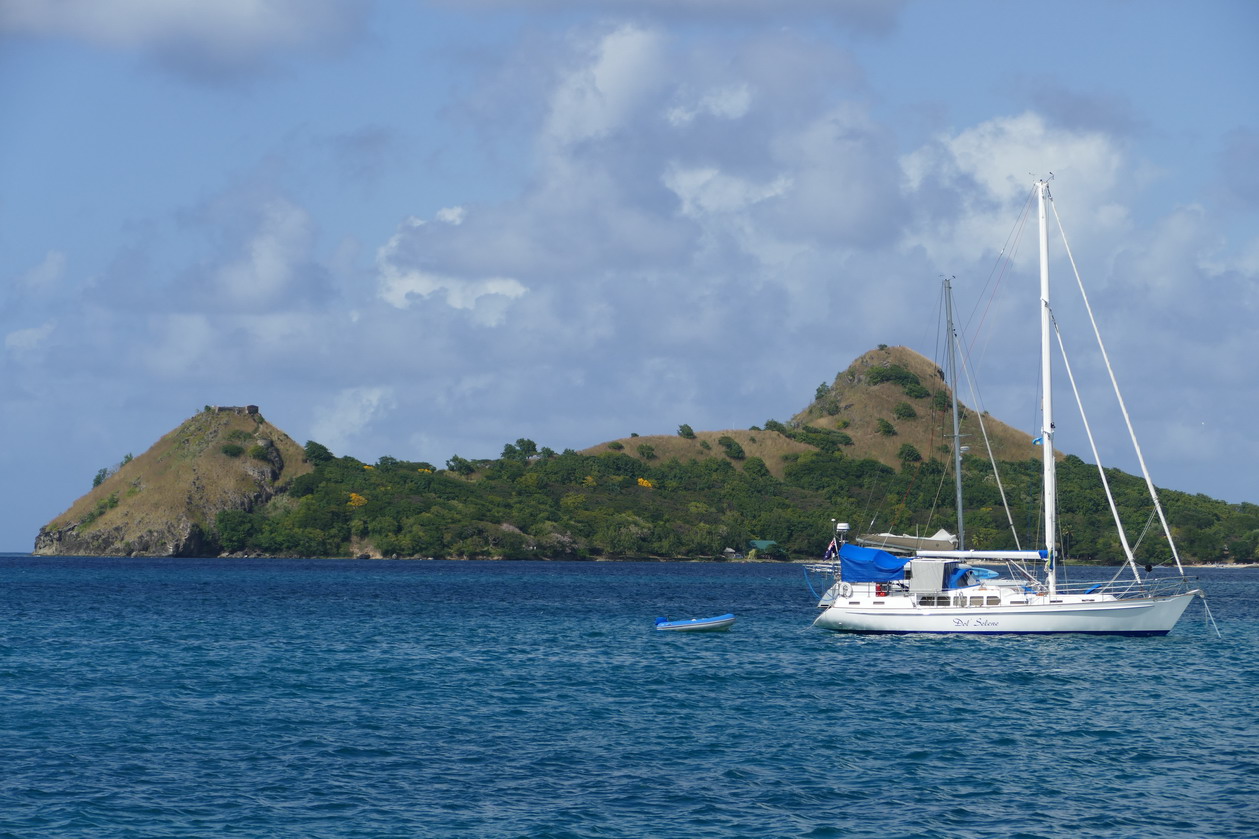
x: 165, y: 501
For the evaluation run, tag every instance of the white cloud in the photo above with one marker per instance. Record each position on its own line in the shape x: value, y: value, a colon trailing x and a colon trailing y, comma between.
x: 268, y: 266
x: 192, y: 35
x: 452, y: 215
x: 729, y: 102
x: 597, y: 97
x: 878, y: 16
x: 25, y: 340
x: 400, y: 283
x: 981, y: 176
x: 846, y: 181
x: 399, y: 286
x: 708, y: 191
x: 47, y: 274
x: 183, y: 344
x: 351, y: 414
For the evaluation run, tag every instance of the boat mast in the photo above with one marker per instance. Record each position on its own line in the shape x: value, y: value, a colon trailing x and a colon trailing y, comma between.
x: 1047, y: 399
x: 957, y: 434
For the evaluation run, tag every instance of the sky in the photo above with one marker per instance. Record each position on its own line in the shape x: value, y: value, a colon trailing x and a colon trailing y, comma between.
x: 422, y: 228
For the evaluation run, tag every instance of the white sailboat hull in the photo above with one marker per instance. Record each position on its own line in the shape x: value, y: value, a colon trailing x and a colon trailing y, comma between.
x: 1135, y: 616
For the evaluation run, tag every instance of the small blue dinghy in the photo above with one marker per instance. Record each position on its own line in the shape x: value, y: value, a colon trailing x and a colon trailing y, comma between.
x: 716, y: 624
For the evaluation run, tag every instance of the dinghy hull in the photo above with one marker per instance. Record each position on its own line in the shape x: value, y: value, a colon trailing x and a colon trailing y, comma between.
x: 717, y: 624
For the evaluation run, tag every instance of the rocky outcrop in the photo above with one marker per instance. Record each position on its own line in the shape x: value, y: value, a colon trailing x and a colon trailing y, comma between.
x: 181, y: 537
x: 166, y: 501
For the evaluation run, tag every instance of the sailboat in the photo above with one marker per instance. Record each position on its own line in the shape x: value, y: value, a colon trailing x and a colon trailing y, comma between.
x: 950, y: 591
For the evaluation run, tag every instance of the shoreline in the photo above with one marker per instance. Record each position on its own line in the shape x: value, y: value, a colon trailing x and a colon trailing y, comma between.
x: 713, y: 560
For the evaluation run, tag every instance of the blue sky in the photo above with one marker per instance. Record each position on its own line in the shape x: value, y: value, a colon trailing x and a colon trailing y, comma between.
x: 430, y: 228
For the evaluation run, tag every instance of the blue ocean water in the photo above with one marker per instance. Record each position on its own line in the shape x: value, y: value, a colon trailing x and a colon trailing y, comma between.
x: 323, y: 698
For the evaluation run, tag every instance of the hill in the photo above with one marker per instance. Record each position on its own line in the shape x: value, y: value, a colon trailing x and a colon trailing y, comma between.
x: 886, y: 400
x: 871, y: 448
x: 892, y: 396
x: 165, y: 502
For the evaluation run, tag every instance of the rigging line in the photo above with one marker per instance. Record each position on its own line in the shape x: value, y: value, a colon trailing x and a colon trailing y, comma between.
x: 909, y: 487
x: 1149, y: 521
x: 869, y: 502
x: 1001, y: 266
x: 1123, y: 407
x: 1210, y: 616
x: 1004, y: 256
x: 1088, y: 431
x: 983, y: 429
x: 934, y: 413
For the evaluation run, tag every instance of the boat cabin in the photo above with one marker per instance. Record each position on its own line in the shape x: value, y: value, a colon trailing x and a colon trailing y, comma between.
x: 933, y: 576
x: 874, y: 576
x: 935, y: 582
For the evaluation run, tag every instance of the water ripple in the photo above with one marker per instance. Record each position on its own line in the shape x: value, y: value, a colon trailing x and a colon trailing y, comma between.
x: 171, y: 698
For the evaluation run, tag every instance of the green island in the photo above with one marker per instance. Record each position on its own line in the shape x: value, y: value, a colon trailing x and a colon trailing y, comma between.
x: 868, y: 449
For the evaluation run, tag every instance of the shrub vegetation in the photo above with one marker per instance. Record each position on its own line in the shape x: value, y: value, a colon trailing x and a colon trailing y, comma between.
x: 580, y: 506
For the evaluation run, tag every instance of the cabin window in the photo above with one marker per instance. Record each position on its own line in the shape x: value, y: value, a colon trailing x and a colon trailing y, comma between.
x: 994, y: 601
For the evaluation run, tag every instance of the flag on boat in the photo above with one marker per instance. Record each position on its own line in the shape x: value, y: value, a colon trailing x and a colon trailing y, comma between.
x: 1038, y: 441
x: 832, y: 550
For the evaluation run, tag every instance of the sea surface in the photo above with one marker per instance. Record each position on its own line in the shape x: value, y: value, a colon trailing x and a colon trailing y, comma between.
x: 323, y: 698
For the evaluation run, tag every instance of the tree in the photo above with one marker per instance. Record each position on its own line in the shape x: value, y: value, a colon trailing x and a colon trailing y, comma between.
x: 459, y: 465
x: 318, y: 453
x: 236, y: 529
x: 904, y: 411
x: 522, y: 450
x: 733, y: 450
x: 685, y: 431
x: 886, y: 428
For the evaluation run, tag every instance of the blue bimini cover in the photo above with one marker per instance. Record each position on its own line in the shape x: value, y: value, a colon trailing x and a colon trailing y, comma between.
x: 869, y: 565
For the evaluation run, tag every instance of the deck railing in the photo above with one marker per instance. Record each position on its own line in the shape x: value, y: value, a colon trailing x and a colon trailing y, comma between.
x: 1123, y: 586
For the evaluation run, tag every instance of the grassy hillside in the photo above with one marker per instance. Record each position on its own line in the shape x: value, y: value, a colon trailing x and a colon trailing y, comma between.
x: 895, y: 385
x: 771, y: 447
x: 165, y: 500
x: 890, y: 383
